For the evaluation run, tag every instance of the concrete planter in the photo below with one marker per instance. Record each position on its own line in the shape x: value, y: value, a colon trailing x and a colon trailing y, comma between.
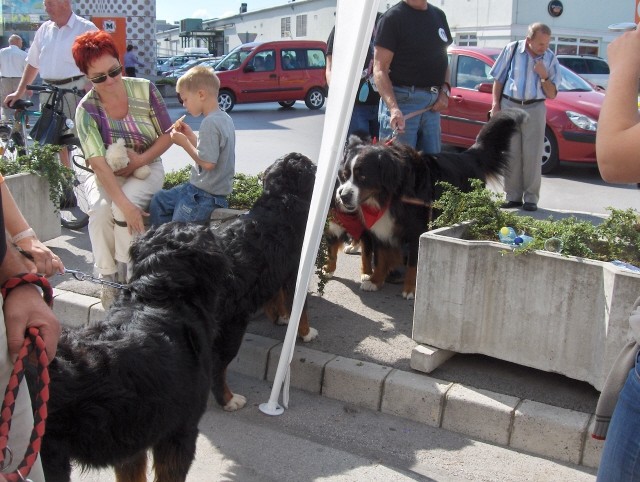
x: 31, y: 193
x: 559, y: 314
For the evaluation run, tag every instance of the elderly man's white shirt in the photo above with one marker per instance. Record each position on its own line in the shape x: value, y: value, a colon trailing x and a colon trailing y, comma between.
x: 12, y: 61
x: 50, y: 50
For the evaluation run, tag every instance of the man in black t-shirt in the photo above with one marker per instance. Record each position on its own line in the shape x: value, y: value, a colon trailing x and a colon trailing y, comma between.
x: 364, y: 119
x: 411, y: 72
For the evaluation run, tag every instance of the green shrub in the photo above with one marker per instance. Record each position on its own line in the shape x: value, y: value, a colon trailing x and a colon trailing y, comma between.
x: 166, y: 81
x: 43, y: 161
x: 175, y: 178
x: 246, y: 189
x: 617, y: 237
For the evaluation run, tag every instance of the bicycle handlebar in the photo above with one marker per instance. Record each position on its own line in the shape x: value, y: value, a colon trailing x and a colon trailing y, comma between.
x: 52, y: 88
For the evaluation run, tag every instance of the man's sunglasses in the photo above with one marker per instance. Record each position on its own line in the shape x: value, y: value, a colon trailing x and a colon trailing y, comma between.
x: 98, y: 79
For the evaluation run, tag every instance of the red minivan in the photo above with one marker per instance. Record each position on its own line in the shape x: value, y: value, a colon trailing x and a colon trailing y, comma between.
x: 282, y: 71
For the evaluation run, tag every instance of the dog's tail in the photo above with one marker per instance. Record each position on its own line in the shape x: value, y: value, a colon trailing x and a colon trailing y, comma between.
x: 494, y: 140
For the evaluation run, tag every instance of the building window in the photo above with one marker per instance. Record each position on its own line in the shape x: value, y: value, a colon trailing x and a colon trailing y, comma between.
x: 466, y: 39
x: 301, y: 26
x: 575, y: 46
x: 285, y: 27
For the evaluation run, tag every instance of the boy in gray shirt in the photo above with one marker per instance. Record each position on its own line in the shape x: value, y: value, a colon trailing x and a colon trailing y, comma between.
x: 213, y: 153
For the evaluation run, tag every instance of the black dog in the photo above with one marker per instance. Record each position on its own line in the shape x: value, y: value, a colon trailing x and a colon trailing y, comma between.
x: 140, y: 379
x: 264, y: 250
x: 391, y: 188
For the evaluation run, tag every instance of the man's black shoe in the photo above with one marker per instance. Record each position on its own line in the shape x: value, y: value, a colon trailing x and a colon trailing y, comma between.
x: 511, y: 204
x: 530, y: 207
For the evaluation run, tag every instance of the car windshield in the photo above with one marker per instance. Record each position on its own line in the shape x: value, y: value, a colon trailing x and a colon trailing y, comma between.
x: 572, y: 82
x: 234, y: 58
x: 189, y: 64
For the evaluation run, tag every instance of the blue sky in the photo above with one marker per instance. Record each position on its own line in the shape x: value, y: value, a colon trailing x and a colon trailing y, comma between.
x: 174, y: 10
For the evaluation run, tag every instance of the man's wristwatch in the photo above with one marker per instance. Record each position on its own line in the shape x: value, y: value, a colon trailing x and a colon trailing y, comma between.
x: 544, y: 80
x: 446, y: 88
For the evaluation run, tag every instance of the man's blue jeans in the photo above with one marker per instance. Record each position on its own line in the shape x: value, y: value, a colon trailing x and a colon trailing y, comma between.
x: 184, y: 203
x: 364, y: 120
x: 422, y: 131
x: 621, y: 454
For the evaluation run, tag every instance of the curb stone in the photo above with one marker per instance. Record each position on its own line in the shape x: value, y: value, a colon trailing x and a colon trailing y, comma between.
x: 532, y: 427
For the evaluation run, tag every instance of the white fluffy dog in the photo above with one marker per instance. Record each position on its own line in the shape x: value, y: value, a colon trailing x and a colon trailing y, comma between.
x: 117, y: 159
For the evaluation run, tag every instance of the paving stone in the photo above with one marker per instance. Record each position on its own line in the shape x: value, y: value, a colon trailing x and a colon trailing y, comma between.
x: 549, y: 431
x: 414, y: 396
x: 72, y: 309
x: 252, y: 357
x: 592, y: 447
x: 97, y: 313
x: 354, y: 381
x: 307, y: 367
x: 479, y: 413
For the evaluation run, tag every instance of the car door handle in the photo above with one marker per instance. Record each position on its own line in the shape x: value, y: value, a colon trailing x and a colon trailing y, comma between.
x: 457, y: 98
x: 273, y: 76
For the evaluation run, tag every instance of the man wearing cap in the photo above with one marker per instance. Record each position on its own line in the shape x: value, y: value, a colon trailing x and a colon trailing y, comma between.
x: 50, y: 55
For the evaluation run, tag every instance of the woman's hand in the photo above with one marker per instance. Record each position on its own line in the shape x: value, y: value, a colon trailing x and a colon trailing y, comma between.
x: 135, y: 161
x: 134, y: 216
x: 24, y: 308
x: 45, y: 260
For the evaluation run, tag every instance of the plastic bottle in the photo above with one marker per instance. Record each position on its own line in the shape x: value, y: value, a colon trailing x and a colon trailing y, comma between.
x: 522, y: 240
x: 507, y: 235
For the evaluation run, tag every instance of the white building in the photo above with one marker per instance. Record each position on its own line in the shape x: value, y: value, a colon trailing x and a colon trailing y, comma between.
x: 578, y: 26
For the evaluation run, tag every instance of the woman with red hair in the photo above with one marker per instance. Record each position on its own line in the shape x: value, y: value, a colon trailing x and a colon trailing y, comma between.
x: 117, y: 108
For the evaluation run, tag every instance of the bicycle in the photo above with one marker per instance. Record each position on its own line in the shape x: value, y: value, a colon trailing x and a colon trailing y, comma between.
x: 12, y: 133
x: 74, y: 204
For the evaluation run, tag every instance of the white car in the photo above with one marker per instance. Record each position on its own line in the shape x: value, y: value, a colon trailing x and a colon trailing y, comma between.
x: 592, y: 68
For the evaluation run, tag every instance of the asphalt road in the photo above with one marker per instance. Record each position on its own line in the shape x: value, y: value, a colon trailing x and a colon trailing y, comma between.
x: 323, y: 439
x: 265, y: 132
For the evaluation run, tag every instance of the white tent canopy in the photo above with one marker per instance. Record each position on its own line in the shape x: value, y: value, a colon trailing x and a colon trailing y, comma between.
x: 354, y: 24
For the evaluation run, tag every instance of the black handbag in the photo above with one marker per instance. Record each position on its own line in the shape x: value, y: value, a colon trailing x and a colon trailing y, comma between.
x: 49, y: 127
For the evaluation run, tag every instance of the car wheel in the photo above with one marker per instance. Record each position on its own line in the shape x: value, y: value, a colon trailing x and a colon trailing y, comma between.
x: 314, y: 98
x: 287, y: 103
x: 226, y: 101
x: 550, y: 159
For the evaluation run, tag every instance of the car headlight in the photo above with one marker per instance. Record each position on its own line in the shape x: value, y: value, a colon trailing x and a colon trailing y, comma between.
x: 582, y: 121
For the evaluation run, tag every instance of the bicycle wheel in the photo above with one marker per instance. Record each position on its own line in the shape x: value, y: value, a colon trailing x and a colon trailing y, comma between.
x: 74, y: 206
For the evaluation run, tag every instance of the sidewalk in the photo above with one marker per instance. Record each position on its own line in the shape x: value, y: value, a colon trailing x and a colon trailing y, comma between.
x: 362, y: 357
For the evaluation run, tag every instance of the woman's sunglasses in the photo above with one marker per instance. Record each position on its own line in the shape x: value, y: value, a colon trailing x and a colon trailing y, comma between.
x: 98, y: 79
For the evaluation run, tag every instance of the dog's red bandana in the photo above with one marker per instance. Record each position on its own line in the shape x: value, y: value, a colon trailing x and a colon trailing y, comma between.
x: 354, y: 224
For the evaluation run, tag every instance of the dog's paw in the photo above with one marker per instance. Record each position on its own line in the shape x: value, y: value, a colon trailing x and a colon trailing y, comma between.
x: 351, y: 249
x: 365, y: 277
x: 327, y: 274
x: 236, y: 403
x: 312, y: 335
x: 282, y: 320
x: 368, y: 286
x: 408, y: 295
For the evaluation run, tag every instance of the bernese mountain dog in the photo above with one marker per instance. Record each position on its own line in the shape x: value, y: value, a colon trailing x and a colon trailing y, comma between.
x: 386, y: 191
x: 140, y: 379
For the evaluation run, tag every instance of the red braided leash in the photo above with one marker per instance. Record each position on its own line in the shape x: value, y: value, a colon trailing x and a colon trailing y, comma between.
x: 32, y: 342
